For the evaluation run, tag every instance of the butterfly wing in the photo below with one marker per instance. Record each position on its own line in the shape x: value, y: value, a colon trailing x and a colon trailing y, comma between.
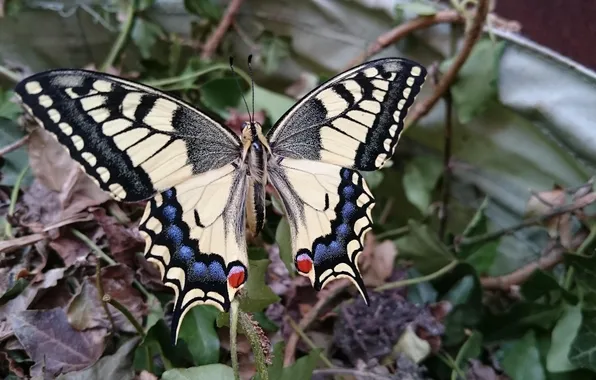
x: 195, y: 233
x: 329, y: 211
x: 353, y: 120
x: 138, y: 143
x: 131, y: 139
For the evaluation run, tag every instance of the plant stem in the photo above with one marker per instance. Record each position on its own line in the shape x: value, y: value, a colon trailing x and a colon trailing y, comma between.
x: 234, y: 338
x: 580, y: 251
x: 101, y: 292
x: 417, y: 280
x: 14, y: 195
x: 310, y: 343
x: 194, y: 75
x: 15, y: 145
x: 121, y: 308
x: 122, y: 37
x: 11, y: 75
x: 396, y: 233
x: 254, y: 337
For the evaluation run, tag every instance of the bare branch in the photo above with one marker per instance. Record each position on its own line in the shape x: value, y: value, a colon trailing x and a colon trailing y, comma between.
x: 219, y: 32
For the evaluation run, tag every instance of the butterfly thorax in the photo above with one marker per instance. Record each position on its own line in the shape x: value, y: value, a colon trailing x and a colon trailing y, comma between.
x: 255, y: 154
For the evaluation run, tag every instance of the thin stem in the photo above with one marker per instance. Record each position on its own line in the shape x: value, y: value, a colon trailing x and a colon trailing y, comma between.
x: 234, y: 338
x: 100, y: 290
x: 254, y: 337
x: 580, y: 251
x: 9, y: 74
x: 308, y: 341
x: 219, y: 32
x: 194, y: 75
x: 418, y: 280
x: 14, y: 195
x: 121, y: 308
x: 102, y: 255
x: 445, y: 191
x: 122, y: 36
x: 396, y: 233
x: 15, y: 145
x: 447, y: 359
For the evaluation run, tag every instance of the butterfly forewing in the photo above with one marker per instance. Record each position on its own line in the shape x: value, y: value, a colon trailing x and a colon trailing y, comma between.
x: 131, y: 139
x: 355, y: 119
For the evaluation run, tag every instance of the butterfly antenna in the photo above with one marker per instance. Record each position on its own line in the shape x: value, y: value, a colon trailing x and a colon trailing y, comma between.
x: 252, y: 85
x: 240, y: 88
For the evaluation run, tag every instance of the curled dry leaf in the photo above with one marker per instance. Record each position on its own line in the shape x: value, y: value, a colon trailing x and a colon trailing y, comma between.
x: 56, y: 170
x: 123, y: 241
x: 71, y: 249
x: 53, y: 344
x: 378, y: 266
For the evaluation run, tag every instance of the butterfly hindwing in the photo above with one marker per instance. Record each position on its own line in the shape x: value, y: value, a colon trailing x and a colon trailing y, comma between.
x: 353, y: 120
x: 131, y: 139
x: 195, y: 233
x: 329, y: 211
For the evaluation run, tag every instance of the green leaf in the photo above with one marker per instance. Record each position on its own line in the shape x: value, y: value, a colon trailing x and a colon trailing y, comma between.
x: 540, y: 284
x: 145, y: 35
x: 420, y: 9
x: 17, y: 287
x: 208, y: 9
x: 284, y: 241
x: 476, y: 83
x: 422, y: 292
x: 258, y: 294
x: 211, y: 372
x: 373, y: 179
x: 583, y: 349
x: 158, y: 342
x: 273, y: 50
x: 518, y: 319
x: 522, y: 359
x: 423, y: 247
x: 585, y: 277
x: 199, y: 333
x: 221, y: 94
x: 273, y: 103
x: 419, y: 180
x: 301, y: 370
x: 17, y: 160
x: 563, y: 335
x: 8, y: 108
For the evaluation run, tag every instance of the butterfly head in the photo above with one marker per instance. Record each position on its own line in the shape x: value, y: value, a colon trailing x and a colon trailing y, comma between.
x: 252, y: 137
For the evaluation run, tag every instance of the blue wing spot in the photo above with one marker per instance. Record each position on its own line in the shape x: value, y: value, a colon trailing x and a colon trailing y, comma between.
x: 175, y: 234
x: 345, y: 174
x: 186, y: 253
x: 343, y: 230
x: 168, y: 193
x: 170, y: 213
x: 348, y: 211
x: 320, y: 250
x: 217, y: 272
x: 335, y: 248
x: 199, y: 270
x: 348, y: 192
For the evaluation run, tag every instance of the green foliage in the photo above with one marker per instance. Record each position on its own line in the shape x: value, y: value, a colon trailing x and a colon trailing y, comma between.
x: 301, y: 370
x: 476, y: 84
x: 424, y: 248
x: 420, y: 177
x: 209, y: 9
x: 17, y: 160
x: 199, y: 333
x: 211, y: 371
x: 416, y: 7
x: 565, y: 331
x: 284, y: 241
x: 275, y: 49
x: 258, y: 294
x: 221, y: 94
x: 522, y: 359
x: 480, y: 255
x: 145, y: 35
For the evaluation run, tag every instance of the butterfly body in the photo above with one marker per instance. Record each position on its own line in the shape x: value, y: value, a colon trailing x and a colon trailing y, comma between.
x: 204, y: 184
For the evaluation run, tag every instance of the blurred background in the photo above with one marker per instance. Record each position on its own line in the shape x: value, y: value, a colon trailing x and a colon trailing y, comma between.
x: 481, y: 251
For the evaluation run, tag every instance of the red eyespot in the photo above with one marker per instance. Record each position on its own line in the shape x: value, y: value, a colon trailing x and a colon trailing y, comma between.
x: 236, y: 277
x: 304, y: 263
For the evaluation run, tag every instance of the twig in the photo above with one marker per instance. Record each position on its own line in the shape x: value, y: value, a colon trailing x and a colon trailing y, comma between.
x: 417, y: 280
x: 445, y: 191
x: 15, y: 145
x: 13, y: 201
x: 234, y: 338
x: 121, y: 308
x: 578, y: 204
x: 350, y: 372
x: 15, y: 77
x: 219, y: 32
x: 122, y: 36
x: 308, y: 341
x: 545, y: 262
x: 306, y: 321
x: 403, y: 30
x: 256, y: 337
x: 474, y: 32
x: 100, y: 290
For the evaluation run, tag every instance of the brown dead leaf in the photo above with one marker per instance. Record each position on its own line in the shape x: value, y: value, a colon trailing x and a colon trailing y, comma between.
x: 8, y: 362
x: 378, y: 266
x: 149, y: 275
x: 124, y: 242
x: 118, y: 283
x: 56, y: 170
x: 70, y: 248
x: 12, y: 244
x: 86, y: 311
x: 55, y: 345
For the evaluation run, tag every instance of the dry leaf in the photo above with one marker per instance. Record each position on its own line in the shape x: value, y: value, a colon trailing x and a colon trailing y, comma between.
x: 124, y: 242
x: 380, y: 264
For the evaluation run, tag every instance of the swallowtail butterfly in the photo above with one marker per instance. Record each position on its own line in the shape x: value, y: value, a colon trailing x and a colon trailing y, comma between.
x: 205, y: 184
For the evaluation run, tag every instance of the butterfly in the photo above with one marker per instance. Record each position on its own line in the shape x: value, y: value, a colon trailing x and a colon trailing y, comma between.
x: 205, y: 184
